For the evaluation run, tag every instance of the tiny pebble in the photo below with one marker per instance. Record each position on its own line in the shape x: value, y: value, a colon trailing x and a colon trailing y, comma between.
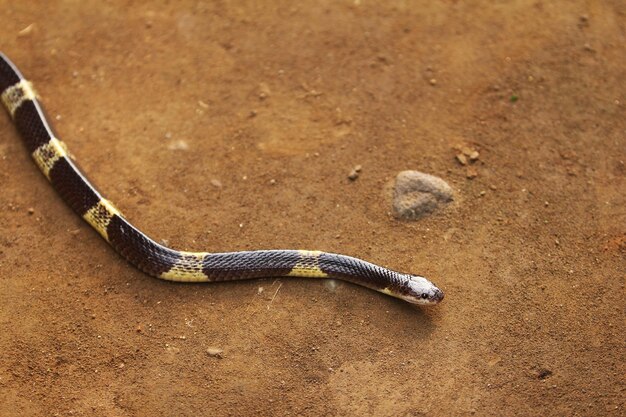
x: 272, y: 182
x: 26, y: 31
x: 178, y: 145
x: 264, y: 91
x: 216, y: 183
x: 215, y: 352
x: 461, y: 159
x: 331, y: 285
x: 473, y: 156
x: 482, y: 193
x: 353, y: 175
x: 433, y: 81
x: 471, y: 173
x: 31, y: 210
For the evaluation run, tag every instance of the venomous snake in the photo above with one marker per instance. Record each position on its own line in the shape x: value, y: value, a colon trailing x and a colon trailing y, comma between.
x: 56, y: 163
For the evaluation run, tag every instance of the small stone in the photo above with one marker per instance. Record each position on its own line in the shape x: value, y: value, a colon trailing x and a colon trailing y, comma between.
x: 331, y: 285
x: 461, y: 159
x: 543, y: 373
x: 358, y: 168
x: 26, y: 31
x: 178, y: 145
x: 353, y: 175
x: 215, y: 352
x: 482, y: 193
x: 471, y: 173
x: 473, y: 156
x: 216, y: 183
x: 272, y: 181
x: 31, y: 210
x: 172, y: 349
x: 264, y: 91
x: 494, y: 361
x: 417, y: 194
x: 432, y: 81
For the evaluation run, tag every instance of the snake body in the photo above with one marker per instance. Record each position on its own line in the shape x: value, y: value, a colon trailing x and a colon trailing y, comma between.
x: 56, y: 163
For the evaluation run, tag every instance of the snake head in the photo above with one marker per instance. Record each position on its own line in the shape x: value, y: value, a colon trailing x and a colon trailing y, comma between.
x: 419, y: 290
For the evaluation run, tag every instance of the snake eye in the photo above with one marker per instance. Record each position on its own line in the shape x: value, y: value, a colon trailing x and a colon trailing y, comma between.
x: 424, y: 295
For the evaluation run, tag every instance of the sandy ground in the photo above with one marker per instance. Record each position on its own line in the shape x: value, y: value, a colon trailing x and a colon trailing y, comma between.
x: 278, y: 103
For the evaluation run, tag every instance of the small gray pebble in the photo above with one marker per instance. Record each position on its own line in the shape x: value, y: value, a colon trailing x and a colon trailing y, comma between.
x: 417, y: 194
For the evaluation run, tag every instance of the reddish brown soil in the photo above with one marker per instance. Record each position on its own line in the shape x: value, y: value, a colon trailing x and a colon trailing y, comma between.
x: 532, y: 254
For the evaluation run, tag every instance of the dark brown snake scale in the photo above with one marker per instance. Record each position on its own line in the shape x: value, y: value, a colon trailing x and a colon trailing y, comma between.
x: 52, y: 157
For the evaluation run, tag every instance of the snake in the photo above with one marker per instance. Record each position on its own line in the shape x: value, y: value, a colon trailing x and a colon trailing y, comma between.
x: 58, y: 165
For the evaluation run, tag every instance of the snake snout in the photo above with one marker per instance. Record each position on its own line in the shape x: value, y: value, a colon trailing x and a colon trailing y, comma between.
x: 437, y: 296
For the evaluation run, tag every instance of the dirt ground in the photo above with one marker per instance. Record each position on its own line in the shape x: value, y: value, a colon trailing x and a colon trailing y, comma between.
x: 234, y: 125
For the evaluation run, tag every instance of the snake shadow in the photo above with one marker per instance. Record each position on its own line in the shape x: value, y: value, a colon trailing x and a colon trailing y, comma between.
x: 388, y: 315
